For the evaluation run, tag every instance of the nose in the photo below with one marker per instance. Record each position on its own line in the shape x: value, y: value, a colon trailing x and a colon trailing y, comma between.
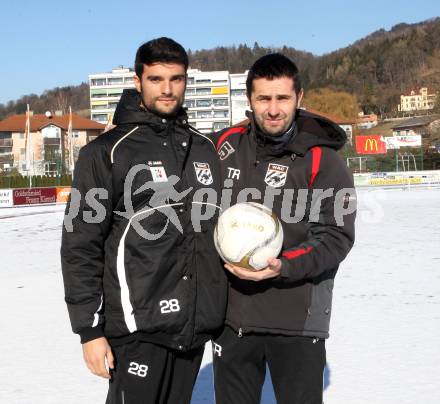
x: 273, y: 110
x: 166, y: 87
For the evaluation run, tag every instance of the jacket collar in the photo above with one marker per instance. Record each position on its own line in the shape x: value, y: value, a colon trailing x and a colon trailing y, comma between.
x: 131, y: 111
x: 308, y: 130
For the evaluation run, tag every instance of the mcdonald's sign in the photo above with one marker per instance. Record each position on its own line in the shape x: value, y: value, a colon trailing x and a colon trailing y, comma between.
x: 373, y: 144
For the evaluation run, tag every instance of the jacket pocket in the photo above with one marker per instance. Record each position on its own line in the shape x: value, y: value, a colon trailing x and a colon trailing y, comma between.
x: 320, y: 306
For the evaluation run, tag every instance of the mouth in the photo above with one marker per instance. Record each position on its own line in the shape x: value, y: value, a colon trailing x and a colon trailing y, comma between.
x: 273, y: 122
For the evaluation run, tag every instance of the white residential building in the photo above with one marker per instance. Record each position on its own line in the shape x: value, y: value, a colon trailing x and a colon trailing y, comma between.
x: 214, y: 100
x: 207, y: 99
x: 239, y: 101
x: 106, y: 90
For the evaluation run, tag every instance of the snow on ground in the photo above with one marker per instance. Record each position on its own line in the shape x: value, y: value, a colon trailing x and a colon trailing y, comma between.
x: 383, y: 347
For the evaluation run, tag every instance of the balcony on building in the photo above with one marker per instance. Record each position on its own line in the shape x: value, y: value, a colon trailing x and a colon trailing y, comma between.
x: 5, y: 143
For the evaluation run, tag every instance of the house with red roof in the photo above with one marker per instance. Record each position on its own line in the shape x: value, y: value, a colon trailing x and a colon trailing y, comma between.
x: 48, y: 141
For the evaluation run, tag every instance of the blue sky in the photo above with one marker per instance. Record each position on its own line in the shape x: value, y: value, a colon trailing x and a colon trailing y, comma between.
x: 45, y: 44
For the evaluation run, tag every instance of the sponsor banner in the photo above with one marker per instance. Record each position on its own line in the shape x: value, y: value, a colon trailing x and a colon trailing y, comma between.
x: 34, y: 196
x: 396, y: 142
x: 6, y: 200
x: 394, y: 181
x: 373, y: 144
x: 62, y: 194
x: 397, y: 178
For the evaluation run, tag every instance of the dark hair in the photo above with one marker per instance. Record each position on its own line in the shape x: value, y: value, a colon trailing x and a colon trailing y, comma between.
x: 164, y: 50
x: 274, y: 65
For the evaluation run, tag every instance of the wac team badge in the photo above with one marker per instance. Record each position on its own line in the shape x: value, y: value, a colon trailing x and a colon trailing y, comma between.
x: 225, y: 151
x: 276, y: 175
x: 203, y: 173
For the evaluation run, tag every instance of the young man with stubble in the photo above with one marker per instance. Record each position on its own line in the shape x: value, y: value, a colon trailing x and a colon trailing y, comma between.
x: 143, y: 283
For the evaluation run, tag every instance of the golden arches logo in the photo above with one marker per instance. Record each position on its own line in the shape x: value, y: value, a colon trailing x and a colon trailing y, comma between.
x: 371, y: 144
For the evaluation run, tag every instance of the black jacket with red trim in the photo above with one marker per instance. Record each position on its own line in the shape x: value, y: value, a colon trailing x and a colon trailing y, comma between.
x: 306, y: 183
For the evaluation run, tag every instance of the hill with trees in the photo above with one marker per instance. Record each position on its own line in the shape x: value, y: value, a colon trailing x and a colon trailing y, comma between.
x: 57, y: 99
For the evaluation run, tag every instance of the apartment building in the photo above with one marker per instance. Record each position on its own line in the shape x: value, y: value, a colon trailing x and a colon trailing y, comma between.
x: 106, y: 90
x: 239, y: 101
x: 207, y: 99
x: 214, y: 100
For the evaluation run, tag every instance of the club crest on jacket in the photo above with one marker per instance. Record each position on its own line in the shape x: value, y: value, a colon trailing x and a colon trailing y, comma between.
x: 203, y: 173
x: 276, y: 175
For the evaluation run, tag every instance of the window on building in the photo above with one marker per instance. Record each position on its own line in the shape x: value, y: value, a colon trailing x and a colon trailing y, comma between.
x: 190, y: 103
x: 115, y: 92
x: 112, y: 104
x: 221, y: 102
x: 204, y: 114
x: 98, y: 82
x: 22, y: 151
x: 115, y: 80
x: 103, y: 106
x: 221, y: 114
x: 100, y: 117
x: 101, y: 95
x: 190, y: 91
x: 129, y: 79
x: 238, y: 92
x: 203, y: 91
x: 191, y: 115
x: 22, y: 135
x: 203, y: 103
x: 75, y: 134
x: 220, y: 81
x: 190, y: 80
x: 200, y: 81
x: 220, y: 125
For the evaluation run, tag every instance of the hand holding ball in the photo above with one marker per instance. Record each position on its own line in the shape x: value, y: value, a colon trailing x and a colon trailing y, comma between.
x: 247, y: 235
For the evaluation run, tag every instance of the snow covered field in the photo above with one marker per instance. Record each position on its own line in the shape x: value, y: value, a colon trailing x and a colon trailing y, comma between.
x: 384, y: 334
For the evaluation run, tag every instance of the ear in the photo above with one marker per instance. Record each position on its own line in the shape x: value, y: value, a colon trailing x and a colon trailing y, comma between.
x: 300, y: 97
x: 249, y: 102
x: 137, y: 83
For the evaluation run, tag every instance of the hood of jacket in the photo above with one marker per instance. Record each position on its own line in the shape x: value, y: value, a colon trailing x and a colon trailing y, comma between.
x: 130, y: 111
x: 314, y: 130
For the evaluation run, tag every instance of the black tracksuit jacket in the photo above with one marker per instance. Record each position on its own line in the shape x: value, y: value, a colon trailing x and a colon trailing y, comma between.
x: 121, y: 283
x: 298, y: 302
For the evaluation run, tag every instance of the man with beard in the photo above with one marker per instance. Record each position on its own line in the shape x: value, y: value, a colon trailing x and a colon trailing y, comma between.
x: 280, y: 315
x: 143, y: 284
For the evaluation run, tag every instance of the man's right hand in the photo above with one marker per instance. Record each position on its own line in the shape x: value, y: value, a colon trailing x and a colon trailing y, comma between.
x: 96, y: 352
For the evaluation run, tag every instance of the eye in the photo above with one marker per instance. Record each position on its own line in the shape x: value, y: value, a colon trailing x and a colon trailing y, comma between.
x: 154, y: 79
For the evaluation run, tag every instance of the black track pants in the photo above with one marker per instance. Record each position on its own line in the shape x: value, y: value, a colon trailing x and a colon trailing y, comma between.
x: 146, y: 373
x: 296, y: 367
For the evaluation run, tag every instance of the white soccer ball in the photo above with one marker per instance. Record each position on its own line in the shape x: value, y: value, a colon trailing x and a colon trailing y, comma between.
x: 247, y: 234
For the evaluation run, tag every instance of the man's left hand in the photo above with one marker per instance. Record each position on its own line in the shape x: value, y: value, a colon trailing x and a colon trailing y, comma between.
x: 271, y: 271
